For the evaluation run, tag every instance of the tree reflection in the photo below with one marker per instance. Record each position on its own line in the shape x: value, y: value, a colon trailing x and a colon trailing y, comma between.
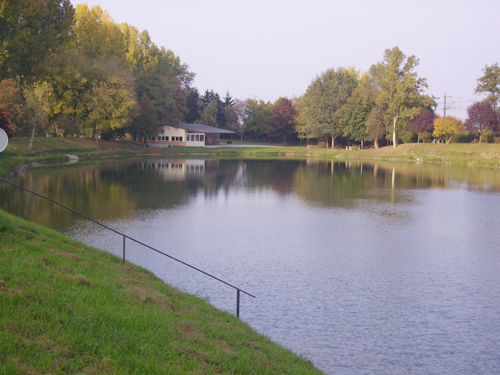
x: 117, y: 190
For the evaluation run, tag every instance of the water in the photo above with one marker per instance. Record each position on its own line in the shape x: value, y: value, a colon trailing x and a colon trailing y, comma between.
x: 362, y: 268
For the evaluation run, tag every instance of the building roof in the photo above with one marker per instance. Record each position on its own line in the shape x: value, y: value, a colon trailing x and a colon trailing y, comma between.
x: 204, y: 129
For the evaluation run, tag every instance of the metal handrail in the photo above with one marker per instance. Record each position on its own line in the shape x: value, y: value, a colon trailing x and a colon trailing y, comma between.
x: 238, y: 290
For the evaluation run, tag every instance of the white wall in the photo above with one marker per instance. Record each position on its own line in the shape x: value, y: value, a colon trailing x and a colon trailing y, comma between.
x: 195, y: 139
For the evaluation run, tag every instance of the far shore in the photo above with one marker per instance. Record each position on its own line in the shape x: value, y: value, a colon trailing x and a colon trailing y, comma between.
x: 17, y: 155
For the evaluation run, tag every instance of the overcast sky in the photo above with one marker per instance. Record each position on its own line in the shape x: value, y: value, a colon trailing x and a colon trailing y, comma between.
x: 272, y: 48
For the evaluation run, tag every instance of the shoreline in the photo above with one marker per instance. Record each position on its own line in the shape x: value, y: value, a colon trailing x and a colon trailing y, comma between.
x: 17, y: 157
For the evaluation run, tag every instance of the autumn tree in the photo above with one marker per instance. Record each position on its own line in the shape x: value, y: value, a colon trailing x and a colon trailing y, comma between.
x: 320, y: 113
x: 490, y: 83
x: 30, y: 31
x: 12, y: 100
x: 422, y: 124
x: 482, y: 118
x: 5, y: 123
x: 281, y: 121
x: 400, y: 89
x: 95, y: 33
x: 109, y: 103
x: 447, y: 127
x: 40, y: 103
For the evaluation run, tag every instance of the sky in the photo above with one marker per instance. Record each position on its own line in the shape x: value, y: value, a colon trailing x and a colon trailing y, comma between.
x: 267, y: 49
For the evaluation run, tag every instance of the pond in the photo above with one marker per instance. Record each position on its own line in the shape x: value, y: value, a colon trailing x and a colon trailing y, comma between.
x: 362, y: 267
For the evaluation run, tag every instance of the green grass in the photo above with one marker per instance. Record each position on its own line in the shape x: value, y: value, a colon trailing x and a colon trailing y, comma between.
x: 69, y: 308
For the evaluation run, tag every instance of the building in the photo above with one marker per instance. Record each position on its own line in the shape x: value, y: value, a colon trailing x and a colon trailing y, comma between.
x: 187, y: 135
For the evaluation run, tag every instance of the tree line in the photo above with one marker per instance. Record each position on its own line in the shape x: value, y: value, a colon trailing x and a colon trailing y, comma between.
x: 385, y: 105
x: 73, y: 71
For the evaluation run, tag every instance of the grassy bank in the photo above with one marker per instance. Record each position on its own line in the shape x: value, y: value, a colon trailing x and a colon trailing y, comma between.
x: 57, y: 149
x: 69, y: 308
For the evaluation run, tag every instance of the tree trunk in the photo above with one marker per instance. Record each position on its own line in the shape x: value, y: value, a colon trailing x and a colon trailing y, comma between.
x: 362, y: 144
x: 96, y: 136
x: 394, y: 138
x: 375, y: 142
x: 333, y: 142
x: 33, y: 132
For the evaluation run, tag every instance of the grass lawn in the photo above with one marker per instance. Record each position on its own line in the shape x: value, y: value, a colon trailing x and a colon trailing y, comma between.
x: 69, y: 308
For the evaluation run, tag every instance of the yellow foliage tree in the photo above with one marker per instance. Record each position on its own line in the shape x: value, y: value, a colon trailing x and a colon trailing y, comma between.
x: 447, y: 127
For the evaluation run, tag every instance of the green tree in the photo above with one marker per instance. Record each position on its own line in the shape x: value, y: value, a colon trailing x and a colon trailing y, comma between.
x: 29, y: 32
x: 40, y: 104
x: 400, y: 89
x: 447, y: 127
x: 96, y: 34
x: 193, y: 111
x: 167, y: 95
x: 139, y: 50
x: 355, y: 112
x: 209, y: 106
x: 320, y: 108
x: 234, y: 114
x: 255, y: 119
x: 109, y: 104
x: 490, y: 83
x: 281, y: 121
x: 145, y: 123
x: 375, y: 125
x: 71, y: 76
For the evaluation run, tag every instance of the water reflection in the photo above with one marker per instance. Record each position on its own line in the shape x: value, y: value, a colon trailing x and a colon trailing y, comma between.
x: 111, y: 190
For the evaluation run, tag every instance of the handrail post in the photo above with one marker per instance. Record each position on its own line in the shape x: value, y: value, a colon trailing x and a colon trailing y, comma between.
x: 124, y: 249
x: 237, y: 303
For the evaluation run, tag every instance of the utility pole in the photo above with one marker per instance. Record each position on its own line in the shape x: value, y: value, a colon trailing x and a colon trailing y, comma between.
x: 444, y: 108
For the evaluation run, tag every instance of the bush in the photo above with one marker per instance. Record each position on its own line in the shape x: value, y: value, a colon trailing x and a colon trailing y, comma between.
x: 465, y: 138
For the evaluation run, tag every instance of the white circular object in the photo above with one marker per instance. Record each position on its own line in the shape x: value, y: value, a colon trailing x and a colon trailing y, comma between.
x: 4, y: 140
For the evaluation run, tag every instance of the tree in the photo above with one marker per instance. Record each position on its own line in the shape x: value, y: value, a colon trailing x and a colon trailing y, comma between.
x: 255, y: 119
x: 29, y: 32
x: 40, y: 103
x: 210, y: 107
x: 447, y: 127
x: 482, y: 118
x: 490, y: 83
x: 96, y: 34
x: 400, y: 89
x: 281, y: 121
x: 355, y: 112
x: 167, y: 95
x: 422, y: 124
x: 145, y: 123
x: 12, y: 100
x: 320, y: 107
x: 234, y: 114
x: 108, y: 105
x: 375, y: 125
x: 192, y: 97
x: 5, y: 123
